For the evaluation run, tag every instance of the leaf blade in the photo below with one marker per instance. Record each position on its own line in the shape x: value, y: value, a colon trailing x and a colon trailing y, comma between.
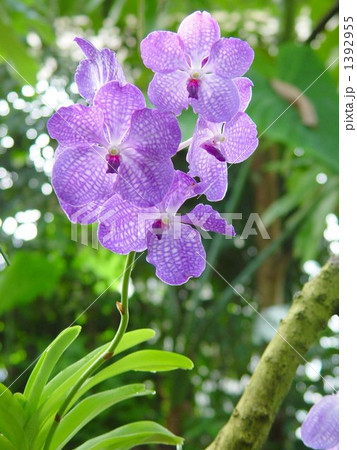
x: 90, y: 407
x: 60, y: 385
x: 12, y: 419
x: 142, y: 361
x: 129, y: 436
x: 45, y: 365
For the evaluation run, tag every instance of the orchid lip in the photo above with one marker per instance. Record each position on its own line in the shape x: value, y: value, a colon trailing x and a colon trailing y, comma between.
x: 113, y: 162
x: 213, y: 150
x: 158, y: 228
x: 193, y: 86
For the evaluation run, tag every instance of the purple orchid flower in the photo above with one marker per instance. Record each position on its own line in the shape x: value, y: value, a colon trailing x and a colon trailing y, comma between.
x: 174, y: 246
x: 114, y: 146
x: 195, y: 66
x: 215, y: 144
x: 100, y: 67
x: 320, y: 429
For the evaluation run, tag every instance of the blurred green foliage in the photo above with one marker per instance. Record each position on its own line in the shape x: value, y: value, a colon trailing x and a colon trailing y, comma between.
x: 291, y: 181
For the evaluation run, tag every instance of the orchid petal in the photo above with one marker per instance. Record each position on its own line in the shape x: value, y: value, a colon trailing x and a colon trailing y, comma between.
x: 84, y: 214
x: 79, y: 176
x: 142, y: 180
x: 77, y: 124
x: 123, y: 225
x: 163, y: 52
x: 94, y: 72
x: 205, y: 217
x: 211, y: 172
x: 178, y: 255
x: 118, y: 103
x: 154, y: 134
x: 320, y: 429
x: 240, y: 138
x: 168, y: 92
x: 231, y: 57
x: 218, y: 99
x: 244, y: 86
x: 199, y: 31
x: 182, y: 188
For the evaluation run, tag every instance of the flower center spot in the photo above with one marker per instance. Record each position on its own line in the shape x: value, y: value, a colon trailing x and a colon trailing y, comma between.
x: 113, y: 151
x: 158, y: 228
x: 212, y: 146
x: 193, y: 86
x: 113, y: 160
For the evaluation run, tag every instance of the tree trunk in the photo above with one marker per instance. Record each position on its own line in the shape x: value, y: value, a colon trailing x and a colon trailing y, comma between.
x: 251, y: 420
x: 271, y: 275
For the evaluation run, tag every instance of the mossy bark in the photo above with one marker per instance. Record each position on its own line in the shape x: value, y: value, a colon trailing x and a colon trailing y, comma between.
x: 252, y: 418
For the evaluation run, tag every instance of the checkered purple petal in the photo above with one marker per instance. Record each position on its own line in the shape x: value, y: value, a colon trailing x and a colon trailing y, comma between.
x: 154, y: 134
x: 84, y: 214
x: 320, y: 429
x: 163, y: 52
x: 123, y: 225
x: 178, y: 255
x: 60, y: 149
x: 182, y: 188
x: 100, y: 68
x: 143, y: 180
x: 211, y: 172
x: 218, y: 99
x: 244, y: 86
x: 118, y: 103
x: 77, y: 125
x: 231, y: 57
x: 87, y: 47
x: 199, y: 31
x: 79, y: 176
x: 168, y: 92
x: 241, y: 138
x: 205, y: 217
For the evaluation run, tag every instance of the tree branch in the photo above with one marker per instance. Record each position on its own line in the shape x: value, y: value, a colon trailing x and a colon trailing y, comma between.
x: 251, y: 420
x: 322, y: 24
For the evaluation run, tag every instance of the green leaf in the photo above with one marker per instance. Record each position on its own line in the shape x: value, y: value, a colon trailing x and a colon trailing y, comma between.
x: 61, y: 384
x: 12, y: 419
x: 129, y: 436
x: 68, y: 376
x: 299, y: 66
x: 45, y: 365
x: 14, y: 54
x: 309, y: 239
x: 143, y: 360
x: 90, y: 407
x: 5, y: 444
x: 40, y: 278
x: 301, y: 193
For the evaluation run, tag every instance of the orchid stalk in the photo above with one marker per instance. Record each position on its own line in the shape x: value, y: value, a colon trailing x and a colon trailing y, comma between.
x: 123, y: 307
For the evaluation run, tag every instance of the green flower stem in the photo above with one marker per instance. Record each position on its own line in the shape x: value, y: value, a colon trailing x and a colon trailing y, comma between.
x: 123, y: 308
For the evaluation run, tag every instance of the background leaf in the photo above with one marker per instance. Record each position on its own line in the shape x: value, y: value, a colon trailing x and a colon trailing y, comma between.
x: 20, y: 287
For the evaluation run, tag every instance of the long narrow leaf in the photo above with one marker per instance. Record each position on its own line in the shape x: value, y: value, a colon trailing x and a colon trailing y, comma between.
x: 129, y: 436
x: 60, y: 385
x: 90, y: 407
x: 5, y: 444
x: 12, y: 419
x: 143, y: 361
x: 45, y: 365
x: 65, y: 377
